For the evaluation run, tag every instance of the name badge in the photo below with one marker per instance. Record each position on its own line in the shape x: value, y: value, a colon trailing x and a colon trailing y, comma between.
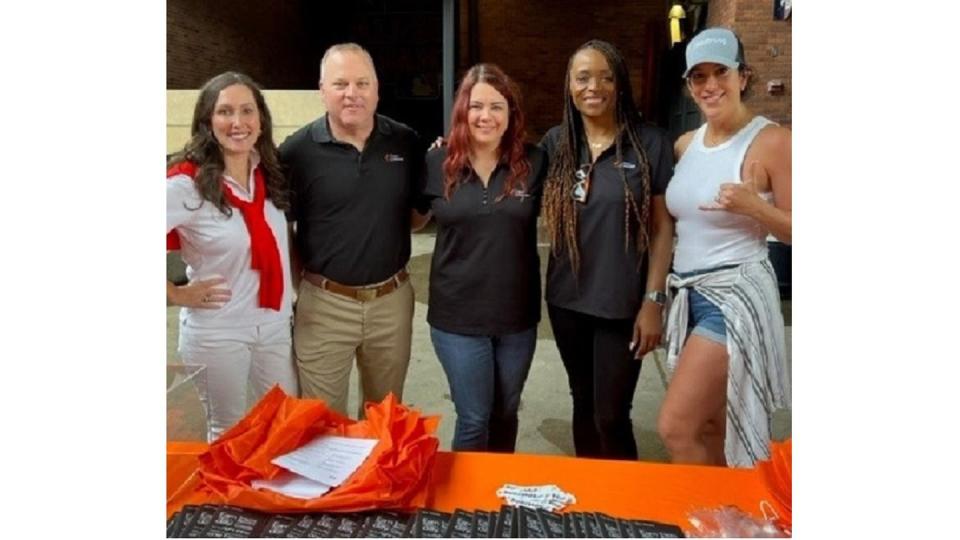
x: 392, y: 158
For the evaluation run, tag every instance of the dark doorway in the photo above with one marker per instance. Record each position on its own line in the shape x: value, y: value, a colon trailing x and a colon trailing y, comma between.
x: 677, y: 112
x: 405, y: 39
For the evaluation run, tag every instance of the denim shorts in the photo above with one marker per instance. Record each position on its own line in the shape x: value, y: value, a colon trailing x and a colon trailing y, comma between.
x: 706, y: 319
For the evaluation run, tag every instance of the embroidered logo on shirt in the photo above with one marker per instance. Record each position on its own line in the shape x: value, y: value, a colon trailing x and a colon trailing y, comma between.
x: 392, y: 158
x: 626, y: 165
x: 520, y: 194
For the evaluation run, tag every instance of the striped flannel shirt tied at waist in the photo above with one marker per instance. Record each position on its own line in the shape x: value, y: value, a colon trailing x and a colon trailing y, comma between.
x: 758, y: 376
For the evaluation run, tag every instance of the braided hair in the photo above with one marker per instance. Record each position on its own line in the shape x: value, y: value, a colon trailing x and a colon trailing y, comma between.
x: 559, y: 208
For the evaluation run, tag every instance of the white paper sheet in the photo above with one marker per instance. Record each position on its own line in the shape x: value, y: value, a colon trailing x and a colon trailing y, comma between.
x: 293, y: 485
x: 327, y: 459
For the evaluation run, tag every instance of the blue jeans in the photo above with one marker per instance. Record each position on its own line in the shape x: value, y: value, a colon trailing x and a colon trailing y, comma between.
x: 486, y: 376
x: 706, y: 319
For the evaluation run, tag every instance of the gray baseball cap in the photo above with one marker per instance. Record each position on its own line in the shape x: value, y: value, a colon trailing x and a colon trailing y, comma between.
x: 715, y: 45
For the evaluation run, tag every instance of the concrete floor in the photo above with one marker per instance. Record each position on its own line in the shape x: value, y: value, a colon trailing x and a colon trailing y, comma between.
x: 546, y: 407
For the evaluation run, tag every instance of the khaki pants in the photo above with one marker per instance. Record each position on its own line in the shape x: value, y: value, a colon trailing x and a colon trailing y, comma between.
x: 330, y: 330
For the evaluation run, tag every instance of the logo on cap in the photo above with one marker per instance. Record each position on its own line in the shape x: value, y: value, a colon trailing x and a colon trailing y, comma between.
x: 707, y: 41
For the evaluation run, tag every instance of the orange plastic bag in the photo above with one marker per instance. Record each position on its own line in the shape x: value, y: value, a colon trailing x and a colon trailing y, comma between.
x: 777, y: 473
x: 393, y: 476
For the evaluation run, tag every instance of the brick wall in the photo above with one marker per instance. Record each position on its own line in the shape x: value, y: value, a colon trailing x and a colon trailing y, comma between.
x: 532, y: 40
x: 266, y: 40
x: 279, y: 42
x: 768, y: 48
x: 722, y: 12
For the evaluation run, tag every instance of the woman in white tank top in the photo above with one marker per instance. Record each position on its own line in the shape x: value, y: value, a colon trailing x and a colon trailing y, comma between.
x: 731, y: 188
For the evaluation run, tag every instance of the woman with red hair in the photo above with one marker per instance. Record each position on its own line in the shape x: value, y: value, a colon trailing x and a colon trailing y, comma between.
x: 484, y: 189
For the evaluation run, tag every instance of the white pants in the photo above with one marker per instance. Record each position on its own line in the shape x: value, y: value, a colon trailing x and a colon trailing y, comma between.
x: 260, y: 355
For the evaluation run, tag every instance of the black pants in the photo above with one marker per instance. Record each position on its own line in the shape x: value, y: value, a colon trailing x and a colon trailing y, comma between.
x: 603, y: 377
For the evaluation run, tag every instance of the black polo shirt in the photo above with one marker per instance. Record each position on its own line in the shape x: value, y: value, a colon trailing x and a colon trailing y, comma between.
x: 485, y: 273
x: 612, y: 279
x: 352, y: 208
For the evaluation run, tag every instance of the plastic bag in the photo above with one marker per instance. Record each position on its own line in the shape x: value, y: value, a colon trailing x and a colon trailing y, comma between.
x: 731, y: 522
x: 777, y: 474
x: 393, y: 476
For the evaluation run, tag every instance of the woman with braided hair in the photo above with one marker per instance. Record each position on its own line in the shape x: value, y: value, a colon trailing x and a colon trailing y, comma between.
x: 611, y: 240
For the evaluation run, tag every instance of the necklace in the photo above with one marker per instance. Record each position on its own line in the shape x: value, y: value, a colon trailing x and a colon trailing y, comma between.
x: 599, y: 145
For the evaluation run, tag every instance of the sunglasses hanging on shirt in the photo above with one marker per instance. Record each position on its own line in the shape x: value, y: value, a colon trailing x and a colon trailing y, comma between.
x: 582, y: 186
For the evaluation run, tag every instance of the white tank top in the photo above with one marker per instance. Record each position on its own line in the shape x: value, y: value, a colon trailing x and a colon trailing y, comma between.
x: 707, y: 239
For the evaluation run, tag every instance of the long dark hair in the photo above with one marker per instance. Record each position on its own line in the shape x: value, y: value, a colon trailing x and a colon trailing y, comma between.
x: 204, y: 150
x: 559, y: 210
x: 511, y: 145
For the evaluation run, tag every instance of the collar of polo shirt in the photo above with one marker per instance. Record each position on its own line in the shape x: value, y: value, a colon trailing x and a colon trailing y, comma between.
x: 320, y: 132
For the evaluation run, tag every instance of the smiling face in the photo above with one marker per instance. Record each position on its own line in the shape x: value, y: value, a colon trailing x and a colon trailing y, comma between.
x: 488, y: 115
x: 236, y: 120
x: 349, y: 90
x: 715, y: 88
x: 593, y: 85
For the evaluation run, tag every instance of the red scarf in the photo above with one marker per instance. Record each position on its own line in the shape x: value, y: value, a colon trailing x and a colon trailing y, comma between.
x: 265, y: 256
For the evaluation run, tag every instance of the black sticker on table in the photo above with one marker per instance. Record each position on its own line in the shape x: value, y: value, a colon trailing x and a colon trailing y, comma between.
x: 481, y: 524
x: 201, y: 520
x: 460, y: 524
x: 231, y: 522
x: 174, y: 524
x: 189, y: 512
x: 551, y: 522
x: 579, y: 527
x: 302, y: 526
x: 609, y: 526
x: 529, y: 525
x: 430, y: 524
x: 590, y: 525
x: 506, y: 522
x: 654, y: 529
x: 348, y: 525
x: 492, y: 526
x: 384, y: 525
x: 324, y: 526
x: 278, y: 525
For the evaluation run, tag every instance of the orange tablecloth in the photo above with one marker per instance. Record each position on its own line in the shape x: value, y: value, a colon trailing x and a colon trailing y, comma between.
x: 628, y: 489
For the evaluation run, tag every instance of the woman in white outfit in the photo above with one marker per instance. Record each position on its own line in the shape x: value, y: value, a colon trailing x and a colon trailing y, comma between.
x: 731, y: 188
x: 225, y: 202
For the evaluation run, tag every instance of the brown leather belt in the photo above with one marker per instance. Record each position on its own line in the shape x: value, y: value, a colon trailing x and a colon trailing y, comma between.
x: 363, y: 293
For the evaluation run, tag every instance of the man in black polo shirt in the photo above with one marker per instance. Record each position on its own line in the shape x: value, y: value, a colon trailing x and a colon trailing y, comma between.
x: 355, y: 179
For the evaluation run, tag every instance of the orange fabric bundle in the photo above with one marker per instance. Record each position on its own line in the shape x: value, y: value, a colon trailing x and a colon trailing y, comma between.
x: 393, y: 476
x: 777, y: 474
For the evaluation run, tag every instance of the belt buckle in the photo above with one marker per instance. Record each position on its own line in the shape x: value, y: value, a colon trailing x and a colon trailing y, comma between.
x: 365, y: 295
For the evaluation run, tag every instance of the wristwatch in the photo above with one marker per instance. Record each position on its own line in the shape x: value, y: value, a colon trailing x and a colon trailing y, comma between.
x: 657, y: 297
